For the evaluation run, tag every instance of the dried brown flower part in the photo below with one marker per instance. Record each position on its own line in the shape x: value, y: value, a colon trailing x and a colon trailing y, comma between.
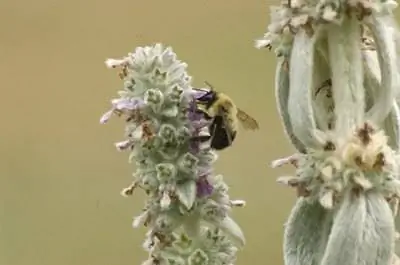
x: 329, y: 146
x: 128, y: 191
x: 367, y: 149
x: 148, y: 131
x: 365, y: 132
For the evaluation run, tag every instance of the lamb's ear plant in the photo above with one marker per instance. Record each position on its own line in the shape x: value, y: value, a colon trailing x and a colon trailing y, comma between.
x: 336, y: 85
x: 187, y: 206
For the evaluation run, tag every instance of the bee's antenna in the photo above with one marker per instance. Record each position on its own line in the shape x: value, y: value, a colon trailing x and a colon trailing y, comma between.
x: 209, y: 85
x: 287, y: 3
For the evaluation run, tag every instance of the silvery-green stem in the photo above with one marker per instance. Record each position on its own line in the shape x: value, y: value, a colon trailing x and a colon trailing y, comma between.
x: 301, y: 67
x: 282, y: 96
x: 396, y: 37
x: 347, y: 74
x: 372, y: 82
x: 386, y: 51
x: 391, y: 125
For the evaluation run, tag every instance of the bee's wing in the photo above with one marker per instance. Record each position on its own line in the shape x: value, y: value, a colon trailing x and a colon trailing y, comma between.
x: 199, y: 92
x: 200, y: 89
x: 246, y: 120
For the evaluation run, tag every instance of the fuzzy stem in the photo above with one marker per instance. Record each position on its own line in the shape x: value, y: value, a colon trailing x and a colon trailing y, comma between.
x: 383, y: 36
x: 372, y: 82
x: 301, y: 82
x: 347, y: 74
x: 282, y: 95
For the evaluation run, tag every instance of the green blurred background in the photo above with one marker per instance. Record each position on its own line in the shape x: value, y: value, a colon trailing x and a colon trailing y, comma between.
x: 60, y: 175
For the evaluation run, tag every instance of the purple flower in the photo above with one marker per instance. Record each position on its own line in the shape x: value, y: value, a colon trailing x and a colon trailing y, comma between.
x: 196, y: 143
x: 194, y: 146
x: 106, y: 116
x: 200, y: 124
x: 193, y: 113
x: 122, y: 104
x: 204, y: 188
x: 200, y: 134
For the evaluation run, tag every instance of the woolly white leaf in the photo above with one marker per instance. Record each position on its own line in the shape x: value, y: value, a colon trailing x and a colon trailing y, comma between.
x: 305, y: 231
x: 326, y: 199
x: 347, y: 74
x: 229, y: 226
x: 165, y: 201
x: 301, y: 68
x: 187, y: 193
x: 346, y: 234
x: 386, y: 50
x: 282, y: 89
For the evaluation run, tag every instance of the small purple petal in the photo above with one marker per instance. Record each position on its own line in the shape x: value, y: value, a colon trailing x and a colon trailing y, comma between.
x: 193, y: 113
x: 195, y: 116
x: 121, y: 146
x: 106, y: 116
x: 204, y: 188
x: 194, y: 147
x: 192, y: 106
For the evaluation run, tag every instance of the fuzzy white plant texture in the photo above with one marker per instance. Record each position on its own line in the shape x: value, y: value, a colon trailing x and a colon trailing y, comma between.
x: 336, y: 86
x: 187, y: 206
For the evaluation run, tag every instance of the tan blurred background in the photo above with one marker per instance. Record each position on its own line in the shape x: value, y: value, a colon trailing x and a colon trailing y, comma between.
x: 60, y: 173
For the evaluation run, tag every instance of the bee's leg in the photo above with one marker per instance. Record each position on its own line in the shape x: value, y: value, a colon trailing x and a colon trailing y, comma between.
x: 222, y: 140
x: 201, y: 138
x: 213, y: 131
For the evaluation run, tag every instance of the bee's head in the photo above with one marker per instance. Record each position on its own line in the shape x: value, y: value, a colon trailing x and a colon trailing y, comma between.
x: 207, y: 98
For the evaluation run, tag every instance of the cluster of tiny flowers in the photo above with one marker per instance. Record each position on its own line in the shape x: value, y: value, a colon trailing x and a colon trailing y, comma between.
x: 293, y: 15
x: 187, y: 206
x: 361, y: 163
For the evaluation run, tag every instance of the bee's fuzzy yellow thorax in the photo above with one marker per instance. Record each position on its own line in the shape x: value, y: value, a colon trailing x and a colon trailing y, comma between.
x: 224, y: 105
x: 224, y: 102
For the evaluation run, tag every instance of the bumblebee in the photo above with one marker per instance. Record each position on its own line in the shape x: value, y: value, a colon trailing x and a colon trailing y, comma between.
x: 225, y: 116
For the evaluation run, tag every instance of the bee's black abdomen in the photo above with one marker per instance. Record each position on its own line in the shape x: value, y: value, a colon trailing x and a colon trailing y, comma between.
x: 221, y: 141
x: 221, y: 137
